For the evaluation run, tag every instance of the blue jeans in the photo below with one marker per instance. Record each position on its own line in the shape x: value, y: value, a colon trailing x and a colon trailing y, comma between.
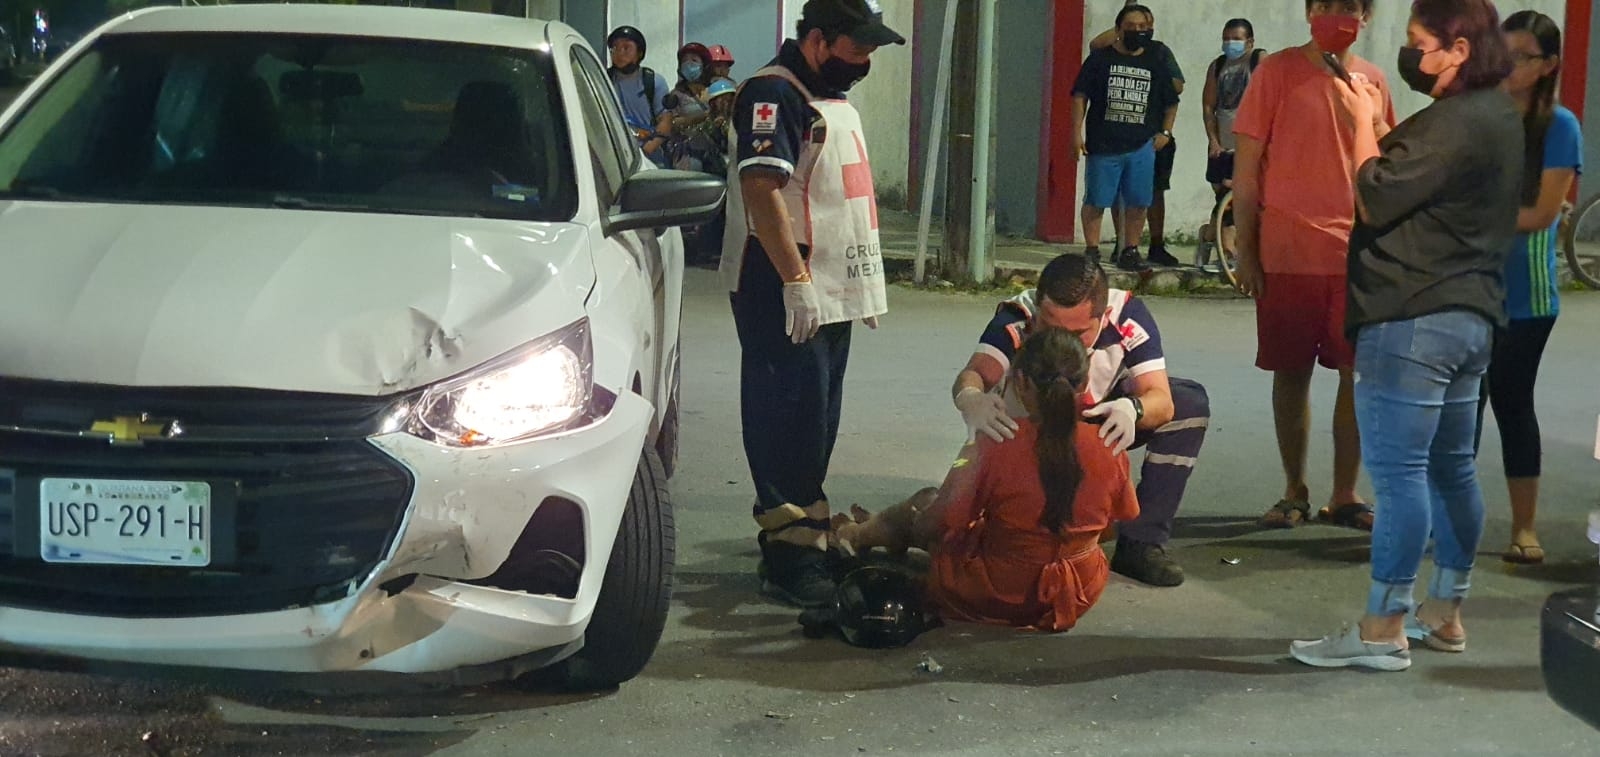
x: 1416, y: 403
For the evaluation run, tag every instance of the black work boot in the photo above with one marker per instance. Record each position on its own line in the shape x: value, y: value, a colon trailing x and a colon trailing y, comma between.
x: 1146, y: 563
x: 1130, y: 260
x: 794, y: 574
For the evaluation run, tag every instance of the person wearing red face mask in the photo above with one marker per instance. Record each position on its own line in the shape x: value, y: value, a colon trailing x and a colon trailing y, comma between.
x: 1292, y: 203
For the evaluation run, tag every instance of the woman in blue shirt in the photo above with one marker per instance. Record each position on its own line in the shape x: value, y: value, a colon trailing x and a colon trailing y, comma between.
x: 1554, y: 158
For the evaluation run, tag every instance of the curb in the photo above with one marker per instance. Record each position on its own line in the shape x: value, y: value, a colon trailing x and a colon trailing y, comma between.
x: 1162, y: 282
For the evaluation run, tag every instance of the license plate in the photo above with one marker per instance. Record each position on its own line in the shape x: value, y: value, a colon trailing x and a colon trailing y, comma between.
x: 114, y: 522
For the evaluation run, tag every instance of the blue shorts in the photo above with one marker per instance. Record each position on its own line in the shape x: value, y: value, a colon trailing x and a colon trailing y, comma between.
x: 1131, y: 176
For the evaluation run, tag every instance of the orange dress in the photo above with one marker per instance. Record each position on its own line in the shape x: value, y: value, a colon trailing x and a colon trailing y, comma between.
x: 996, y: 563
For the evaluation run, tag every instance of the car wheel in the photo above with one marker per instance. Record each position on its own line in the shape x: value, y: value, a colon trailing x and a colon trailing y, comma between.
x: 667, y: 440
x: 631, y: 612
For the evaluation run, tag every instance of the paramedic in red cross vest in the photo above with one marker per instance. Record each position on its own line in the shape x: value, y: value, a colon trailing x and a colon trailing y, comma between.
x: 1129, y: 394
x: 802, y: 260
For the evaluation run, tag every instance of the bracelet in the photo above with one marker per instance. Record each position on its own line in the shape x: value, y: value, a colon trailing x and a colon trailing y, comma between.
x: 803, y: 278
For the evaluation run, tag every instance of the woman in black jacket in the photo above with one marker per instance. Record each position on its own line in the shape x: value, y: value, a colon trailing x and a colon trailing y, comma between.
x: 1436, y: 212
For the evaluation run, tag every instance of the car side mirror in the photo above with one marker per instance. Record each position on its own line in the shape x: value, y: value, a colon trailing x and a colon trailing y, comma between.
x: 660, y: 198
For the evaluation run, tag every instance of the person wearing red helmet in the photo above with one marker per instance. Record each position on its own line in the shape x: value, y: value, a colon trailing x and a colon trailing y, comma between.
x: 721, y: 62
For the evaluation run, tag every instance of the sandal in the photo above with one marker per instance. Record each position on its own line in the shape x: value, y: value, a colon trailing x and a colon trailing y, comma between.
x: 1524, y: 554
x: 1286, y: 514
x: 1430, y: 637
x: 1357, y: 515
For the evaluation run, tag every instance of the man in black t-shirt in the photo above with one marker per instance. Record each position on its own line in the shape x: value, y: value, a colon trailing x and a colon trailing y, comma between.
x: 1124, y: 104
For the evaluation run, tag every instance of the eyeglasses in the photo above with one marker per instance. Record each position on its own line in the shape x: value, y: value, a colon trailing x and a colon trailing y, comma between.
x: 1522, y: 58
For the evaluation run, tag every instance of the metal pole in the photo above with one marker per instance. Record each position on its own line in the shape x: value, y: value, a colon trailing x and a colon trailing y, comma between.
x: 983, y: 145
x: 930, y: 166
x: 963, y: 98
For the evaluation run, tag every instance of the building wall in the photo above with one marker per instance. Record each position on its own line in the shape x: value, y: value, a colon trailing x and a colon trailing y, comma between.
x: 659, y: 20
x: 884, y: 101
x: 1591, y: 136
x: 749, y: 29
x: 1193, y: 28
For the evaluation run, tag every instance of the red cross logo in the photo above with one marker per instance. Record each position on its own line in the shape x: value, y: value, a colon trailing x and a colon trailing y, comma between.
x: 765, y: 111
x: 858, y: 181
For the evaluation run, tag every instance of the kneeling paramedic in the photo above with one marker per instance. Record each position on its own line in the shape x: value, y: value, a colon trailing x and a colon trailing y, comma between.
x: 802, y: 260
x: 1129, y: 393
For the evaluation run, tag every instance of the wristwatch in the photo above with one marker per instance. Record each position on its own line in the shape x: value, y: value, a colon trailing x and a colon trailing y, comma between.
x: 1138, y: 409
x: 1167, y: 133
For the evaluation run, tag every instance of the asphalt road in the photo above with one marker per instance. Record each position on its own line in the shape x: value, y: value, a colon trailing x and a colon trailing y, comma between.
x: 1198, y: 670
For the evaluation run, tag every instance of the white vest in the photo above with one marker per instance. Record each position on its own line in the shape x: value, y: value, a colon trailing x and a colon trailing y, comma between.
x: 833, y: 210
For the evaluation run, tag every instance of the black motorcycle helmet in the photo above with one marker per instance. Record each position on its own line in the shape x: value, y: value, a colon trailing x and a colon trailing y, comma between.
x: 628, y: 33
x: 875, y: 607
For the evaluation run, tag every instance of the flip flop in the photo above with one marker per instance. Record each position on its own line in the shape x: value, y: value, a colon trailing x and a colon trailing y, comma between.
x: 1291, y: 513
x: 1524, y: 554
x: 1348, y: 515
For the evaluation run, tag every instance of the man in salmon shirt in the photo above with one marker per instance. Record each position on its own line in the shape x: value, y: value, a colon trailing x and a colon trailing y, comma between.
x: 1293, y: 200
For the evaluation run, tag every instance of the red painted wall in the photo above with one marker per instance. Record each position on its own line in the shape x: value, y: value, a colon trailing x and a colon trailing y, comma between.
x: 1575, y: 60
x: 1058, y: 166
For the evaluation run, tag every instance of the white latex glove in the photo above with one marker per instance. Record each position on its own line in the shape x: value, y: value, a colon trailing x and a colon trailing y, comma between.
x: 1120, y: 424
x: 985, y: 413
x: 802, y: 313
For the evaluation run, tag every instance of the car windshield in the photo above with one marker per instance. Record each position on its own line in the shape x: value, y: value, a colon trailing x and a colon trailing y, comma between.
x: 300, y: 121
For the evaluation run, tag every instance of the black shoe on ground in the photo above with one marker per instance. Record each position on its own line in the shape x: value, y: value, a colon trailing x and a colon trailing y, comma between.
x: 1147, y: 564
x: 1130, y: 260
x: 1160, y: 256
x: 795, y: 575
x: 1093, y: 254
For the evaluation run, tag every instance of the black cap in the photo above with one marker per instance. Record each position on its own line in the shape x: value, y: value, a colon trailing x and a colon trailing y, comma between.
x: 860, y: 20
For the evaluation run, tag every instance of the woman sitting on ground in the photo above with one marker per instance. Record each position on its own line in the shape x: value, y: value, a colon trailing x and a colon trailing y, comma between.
x: 1014, y: 530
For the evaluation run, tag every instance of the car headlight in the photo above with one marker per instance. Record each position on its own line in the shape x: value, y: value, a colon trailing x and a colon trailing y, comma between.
x: 543, y: 387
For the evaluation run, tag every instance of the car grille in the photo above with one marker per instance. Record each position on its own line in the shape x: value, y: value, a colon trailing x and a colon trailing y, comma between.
x: 293, y: 524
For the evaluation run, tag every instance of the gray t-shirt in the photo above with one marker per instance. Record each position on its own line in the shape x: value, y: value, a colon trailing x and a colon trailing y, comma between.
x: 630, y: 91
x: 1233, y: 76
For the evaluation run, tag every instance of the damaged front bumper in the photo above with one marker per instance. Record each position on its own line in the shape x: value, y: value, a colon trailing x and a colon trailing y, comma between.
x: 441, y: 596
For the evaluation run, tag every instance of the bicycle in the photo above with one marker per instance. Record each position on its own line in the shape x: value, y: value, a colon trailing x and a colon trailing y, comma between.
x: 1579, y: 236
x: 1218, y: 236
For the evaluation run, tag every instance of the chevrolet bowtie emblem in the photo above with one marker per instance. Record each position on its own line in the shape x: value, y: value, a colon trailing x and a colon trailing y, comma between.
x: 133, y: 430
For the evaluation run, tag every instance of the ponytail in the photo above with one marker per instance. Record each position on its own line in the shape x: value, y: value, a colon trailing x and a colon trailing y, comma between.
x: 1055, y: 362
x: 1057, y: 453
x: 1536, y: 123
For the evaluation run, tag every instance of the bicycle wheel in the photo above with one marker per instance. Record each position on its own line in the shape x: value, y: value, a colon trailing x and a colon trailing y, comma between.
x: 1227, y: 255
x: 1580, y: 240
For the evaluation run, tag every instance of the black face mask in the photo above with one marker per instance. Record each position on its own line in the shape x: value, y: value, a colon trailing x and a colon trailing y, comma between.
x: 1137, y: 40
x: 1410, y: 64
x: 840, y: 74
x: 628, y: 70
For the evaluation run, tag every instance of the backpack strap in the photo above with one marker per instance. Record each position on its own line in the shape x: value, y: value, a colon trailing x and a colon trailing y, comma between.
x: 1255, y: 58
x: 650, y: 90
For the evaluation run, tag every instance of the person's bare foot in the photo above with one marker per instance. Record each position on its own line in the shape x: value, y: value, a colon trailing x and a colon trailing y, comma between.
x: 1443, y: 619
x: 1524, y: 549
x: 1385, y: 631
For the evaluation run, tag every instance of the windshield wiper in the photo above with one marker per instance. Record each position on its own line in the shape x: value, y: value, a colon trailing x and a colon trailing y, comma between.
x: 294, y: 202
x: 26, y: 191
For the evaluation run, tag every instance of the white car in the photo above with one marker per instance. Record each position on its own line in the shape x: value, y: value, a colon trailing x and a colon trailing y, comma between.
x: 337, y: 339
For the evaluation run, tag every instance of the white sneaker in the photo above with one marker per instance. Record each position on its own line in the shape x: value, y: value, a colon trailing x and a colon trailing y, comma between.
x: 1346, y: 649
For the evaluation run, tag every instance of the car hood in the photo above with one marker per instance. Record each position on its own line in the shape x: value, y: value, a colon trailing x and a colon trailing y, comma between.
x: 346, y: 303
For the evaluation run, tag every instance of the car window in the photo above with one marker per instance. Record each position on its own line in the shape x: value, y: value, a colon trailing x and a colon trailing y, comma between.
x: 611, y: 143
x: 621, y: 135
x: 399, y: 126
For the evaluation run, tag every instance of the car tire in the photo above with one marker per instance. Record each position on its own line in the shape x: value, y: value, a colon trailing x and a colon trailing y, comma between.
x: 667, y: 439
x: 631, y: 612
